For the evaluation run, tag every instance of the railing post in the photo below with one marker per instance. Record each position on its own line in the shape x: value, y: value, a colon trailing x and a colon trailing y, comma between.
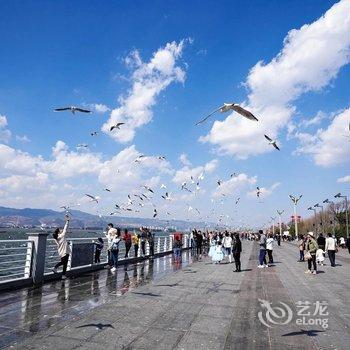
x: 69, y: 265
x: 38, y: 255
x: 165, y: 244
x: 158, y: 245
x: 29, y: 259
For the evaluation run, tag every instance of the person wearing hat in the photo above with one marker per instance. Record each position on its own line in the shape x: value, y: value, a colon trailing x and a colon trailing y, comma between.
x: 311, y: 247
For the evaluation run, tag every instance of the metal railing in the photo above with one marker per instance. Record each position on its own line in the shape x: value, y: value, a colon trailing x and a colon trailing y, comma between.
x: 34, y: 258
x: 15, y: 259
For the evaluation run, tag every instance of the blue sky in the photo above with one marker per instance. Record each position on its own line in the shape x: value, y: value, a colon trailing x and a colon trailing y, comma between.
x: 74, y: 53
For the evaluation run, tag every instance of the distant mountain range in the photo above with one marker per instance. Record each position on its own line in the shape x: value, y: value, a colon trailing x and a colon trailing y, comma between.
x: 27, y: 217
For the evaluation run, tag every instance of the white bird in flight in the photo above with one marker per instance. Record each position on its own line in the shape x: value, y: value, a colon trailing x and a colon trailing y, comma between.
x: 272, y: 142
x: 72, y: 109
x: 162, y: 186
x: 92, y: 198
x: 116, y: 126
x: 230, y: 106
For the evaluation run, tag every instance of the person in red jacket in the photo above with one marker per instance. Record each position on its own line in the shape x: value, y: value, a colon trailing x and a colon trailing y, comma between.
x: 127, y: 242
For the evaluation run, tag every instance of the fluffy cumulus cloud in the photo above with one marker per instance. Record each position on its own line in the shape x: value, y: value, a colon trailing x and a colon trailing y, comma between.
x: 344, y: 179
x: 5, y: 134
x: 148, y: 80
x: 311, y: 57
x: 234, y: 185
x: 185, y: 173
x: 330, y: 146
x: 264, y: 191
x: 99, y: 108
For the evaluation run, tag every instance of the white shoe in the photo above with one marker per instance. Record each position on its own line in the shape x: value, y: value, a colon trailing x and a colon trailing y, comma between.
x: 54, y: 270
x: 113, y: 269
x: 260, y: 266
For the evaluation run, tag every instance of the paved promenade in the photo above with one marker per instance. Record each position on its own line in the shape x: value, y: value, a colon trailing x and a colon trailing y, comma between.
x: 197, y: 305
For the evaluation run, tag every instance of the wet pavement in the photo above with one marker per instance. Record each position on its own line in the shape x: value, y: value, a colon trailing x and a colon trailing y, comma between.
x: 197, y: 305
x: 30, y: 310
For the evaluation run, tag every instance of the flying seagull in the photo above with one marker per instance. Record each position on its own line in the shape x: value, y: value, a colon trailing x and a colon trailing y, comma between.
x: 92, y: 198
x: 72, y: 109
x: 161, y: 158
x: 258, y: 192
x: 107, y: 189
x: 94, y: 133
x: 233, y: 175
x: 201, y: 176
x: 227, y: 107
x: 237, y: 200
x: 162, y: 186
x: 148, y: 189
x: 272, y: 142
x: 219, y: 182
x: 82, y: 145
x: 155, y: 213
x: 116, y: 126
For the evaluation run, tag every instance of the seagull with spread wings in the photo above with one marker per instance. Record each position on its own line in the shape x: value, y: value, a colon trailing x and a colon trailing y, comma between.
x: 116, y: 126
x: 148, y: 189
x: 272, y: 142
x: 92, y: 198
x: 230, y: 106
x: 72, y: 109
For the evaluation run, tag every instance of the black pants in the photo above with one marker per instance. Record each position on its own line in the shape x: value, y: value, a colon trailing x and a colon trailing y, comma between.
x: 127, y: 249
x: 301, y: 253
x: 64, y: 263
x: 97, y: 256
x: 199, y: 248
x: 269, y: 253
x: 151, y: 249
x: 136, y: 247
x: 331, y: 256
x: 143, y: 248
x: 237, y: 257
x: 312, y: 261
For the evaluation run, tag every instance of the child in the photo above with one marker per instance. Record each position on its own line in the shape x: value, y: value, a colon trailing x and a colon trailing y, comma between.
x: 218, y: 254
x: 98, y: 249
x: 320, y: 256
x: 212, y: 247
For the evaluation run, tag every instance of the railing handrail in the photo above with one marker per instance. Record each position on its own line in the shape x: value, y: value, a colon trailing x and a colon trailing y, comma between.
x: 15, y: 240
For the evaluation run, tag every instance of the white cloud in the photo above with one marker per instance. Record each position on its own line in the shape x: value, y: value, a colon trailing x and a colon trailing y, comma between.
x: 234, y: 184
x: 311, y: 57
x: 23, y: 138
x: 344, y: 179
x: 314, y: 120
x: 264, y: 191
x: 184, y: 174
x: 5, y: 134
x: 99, y: 108
x: 184, y: 160
x: 148, y: 79
x: 330, y: 146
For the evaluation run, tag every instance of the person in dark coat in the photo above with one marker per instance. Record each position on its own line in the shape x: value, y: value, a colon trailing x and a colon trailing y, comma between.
x: 236, y: 250
x: 321, y: 241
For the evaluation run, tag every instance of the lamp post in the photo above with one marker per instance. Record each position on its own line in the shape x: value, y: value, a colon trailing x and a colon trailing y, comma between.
x: 280, y: 220
x: 339, y: 195
x: 327, y: 201
x: 317, y: 205
x: 295, y: 201
x: 314, y: 210
x: 273, y: 225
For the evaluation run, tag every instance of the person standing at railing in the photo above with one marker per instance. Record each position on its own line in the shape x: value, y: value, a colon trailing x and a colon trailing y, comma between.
x: 63, y: 247
x: 98, y: 249
x: 127, y: 242
x: 115, y: 250
x: 111, y: 233
x: 150, y: 239
x: 136, y: 243
x: 143, y: 240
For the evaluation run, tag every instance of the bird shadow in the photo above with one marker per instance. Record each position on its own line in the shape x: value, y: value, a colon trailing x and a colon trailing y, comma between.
x: 147, y: 294
x: 99, y: 326
x: 246, y: 270
x: 167, y: 285
x: 309, y: 333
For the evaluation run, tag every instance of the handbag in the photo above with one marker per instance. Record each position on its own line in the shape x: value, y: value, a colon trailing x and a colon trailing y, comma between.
x: 307, y: 255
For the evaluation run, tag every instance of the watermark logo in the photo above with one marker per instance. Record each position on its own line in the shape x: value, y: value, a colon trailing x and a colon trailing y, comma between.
x: 307, y: 313
x: 274, y: 315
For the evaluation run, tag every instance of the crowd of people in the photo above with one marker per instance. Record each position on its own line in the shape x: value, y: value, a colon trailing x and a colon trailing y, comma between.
x: 217, y: 245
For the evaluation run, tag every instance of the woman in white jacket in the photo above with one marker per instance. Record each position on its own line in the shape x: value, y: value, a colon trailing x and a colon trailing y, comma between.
x: 331, y: 247
x: 63, y: 247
